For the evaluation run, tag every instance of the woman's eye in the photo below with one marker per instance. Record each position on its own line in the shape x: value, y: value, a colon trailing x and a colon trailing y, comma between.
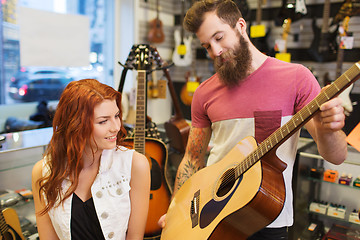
x: 102, y: 122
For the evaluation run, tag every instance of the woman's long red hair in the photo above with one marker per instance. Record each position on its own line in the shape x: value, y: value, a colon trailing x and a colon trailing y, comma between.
x: 72, y: 130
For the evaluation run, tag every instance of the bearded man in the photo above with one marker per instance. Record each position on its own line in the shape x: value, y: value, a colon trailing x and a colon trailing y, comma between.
x: 251, y: 94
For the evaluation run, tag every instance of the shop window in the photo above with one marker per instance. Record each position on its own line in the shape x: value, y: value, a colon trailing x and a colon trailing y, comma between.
x: 19, y: 82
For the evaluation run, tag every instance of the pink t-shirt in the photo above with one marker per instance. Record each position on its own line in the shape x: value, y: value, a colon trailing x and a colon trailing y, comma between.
x: 261, y: 104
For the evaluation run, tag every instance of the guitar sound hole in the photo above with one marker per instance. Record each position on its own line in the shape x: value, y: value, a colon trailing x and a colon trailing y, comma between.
x: 227, y: 182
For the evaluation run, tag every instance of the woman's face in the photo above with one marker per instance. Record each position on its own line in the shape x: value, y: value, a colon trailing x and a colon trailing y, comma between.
x: 106, y: 125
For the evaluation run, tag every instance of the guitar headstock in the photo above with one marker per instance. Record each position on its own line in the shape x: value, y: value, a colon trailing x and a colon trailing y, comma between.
x: 143, y: 57
x: 138, y: 57
x: 286, y: 28
x: 344, y: 26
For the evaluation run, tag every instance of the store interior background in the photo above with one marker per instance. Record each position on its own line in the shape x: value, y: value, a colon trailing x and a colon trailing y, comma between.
x: 126, y: 22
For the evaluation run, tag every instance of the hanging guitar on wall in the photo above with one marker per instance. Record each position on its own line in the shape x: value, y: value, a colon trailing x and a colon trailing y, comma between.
x: 345, y: 95
x: 258, y: 32
x: 182, y: 55
x: 156, y: 33
x: 324, y: 47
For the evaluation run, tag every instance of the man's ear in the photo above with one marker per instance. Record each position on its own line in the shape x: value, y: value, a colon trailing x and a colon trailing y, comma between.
x: 241, y: 26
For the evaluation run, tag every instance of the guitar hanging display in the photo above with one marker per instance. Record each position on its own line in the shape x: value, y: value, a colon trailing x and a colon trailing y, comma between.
x: 187, y: 91
x: 291, y: 9
x: 182, y: 55
x: 345, y: 95
x: 348, y: 9
x: 156, y: 33
x: 154, y: 149
x: 281, y: 44
x: 245, y: 190
x: 258, y: 32
x: 323, y: 47
x: 10, y: 228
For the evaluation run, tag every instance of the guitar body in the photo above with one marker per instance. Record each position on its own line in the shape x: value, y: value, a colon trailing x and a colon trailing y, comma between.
x: 156, y: 33
x: 324, y: 46
x: 156, y: 154
x: 252, y: 201
x: 10, y: 225
x: 178, y: 131
x: 186, y: 96
x: 182, y: 55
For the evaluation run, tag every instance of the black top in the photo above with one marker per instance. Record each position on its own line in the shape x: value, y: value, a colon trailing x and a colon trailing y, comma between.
x: 84, y: 221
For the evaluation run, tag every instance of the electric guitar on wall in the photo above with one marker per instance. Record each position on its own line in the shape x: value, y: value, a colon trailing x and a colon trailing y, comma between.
x: 10, y: 228
x: 323, y: 47
x: 154, y: 149
x: 345, y: 95
x: 245, y: 190
x: 156, y: 33
x: 182, y: 55
x: 187, y: 91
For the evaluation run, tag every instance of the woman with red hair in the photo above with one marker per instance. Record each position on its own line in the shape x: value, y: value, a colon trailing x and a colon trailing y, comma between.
x: 89, y: 185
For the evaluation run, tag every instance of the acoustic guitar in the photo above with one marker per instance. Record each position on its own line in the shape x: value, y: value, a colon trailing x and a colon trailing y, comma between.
x: 10, y: 228
x: 154, y: 149
x: 245, y: 191
x: 156, y: 33
x: 323, y: 48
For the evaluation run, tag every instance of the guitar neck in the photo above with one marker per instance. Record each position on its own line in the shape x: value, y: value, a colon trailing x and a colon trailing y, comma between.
x: 140, y: 122
x: 339, y: 61
x: 326, y: 15
x: 182, y: 20
x: 259, y: 12
x: 178, y: 113
x: 299, y: 119
x: 157, y: 9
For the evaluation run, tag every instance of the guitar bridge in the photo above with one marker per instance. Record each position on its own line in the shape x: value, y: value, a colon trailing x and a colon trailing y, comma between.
x: 194, y: 209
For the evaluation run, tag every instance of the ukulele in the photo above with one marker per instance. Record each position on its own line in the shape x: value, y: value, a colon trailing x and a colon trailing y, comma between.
x: 10, y: 228
x: 245, y: 190
x: 156, y: 33
x: 323, y: 47
x: 154, y: 149
x: 182, y: 55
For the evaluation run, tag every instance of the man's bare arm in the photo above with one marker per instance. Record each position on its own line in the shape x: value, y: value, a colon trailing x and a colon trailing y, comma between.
x: 194, y: 158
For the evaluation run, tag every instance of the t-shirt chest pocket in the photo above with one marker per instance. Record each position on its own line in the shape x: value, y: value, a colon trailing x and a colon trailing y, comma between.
x: 266, y: 122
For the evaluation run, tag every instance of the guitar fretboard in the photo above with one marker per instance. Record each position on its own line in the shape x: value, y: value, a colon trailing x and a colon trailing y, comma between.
x: 326, y: 15
x: 139, y: 139
x: 299, y: 119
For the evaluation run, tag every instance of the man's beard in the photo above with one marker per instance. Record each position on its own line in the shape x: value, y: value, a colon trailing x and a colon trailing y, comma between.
x: 237, y: 63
